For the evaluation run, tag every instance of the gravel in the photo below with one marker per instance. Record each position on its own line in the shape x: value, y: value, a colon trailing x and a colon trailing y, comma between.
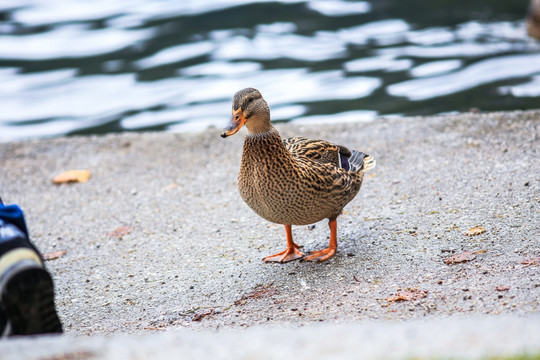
x: 158, y: 240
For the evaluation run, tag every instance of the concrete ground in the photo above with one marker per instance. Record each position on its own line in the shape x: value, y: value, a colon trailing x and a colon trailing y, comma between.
x: 160, y: 249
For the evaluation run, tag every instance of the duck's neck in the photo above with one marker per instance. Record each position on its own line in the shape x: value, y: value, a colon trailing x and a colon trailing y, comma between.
x: 265, y: 146
x: 263, y: 138
x: 259, y: 127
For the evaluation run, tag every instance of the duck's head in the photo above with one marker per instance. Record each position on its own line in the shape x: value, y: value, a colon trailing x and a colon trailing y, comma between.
x: 251, y: 109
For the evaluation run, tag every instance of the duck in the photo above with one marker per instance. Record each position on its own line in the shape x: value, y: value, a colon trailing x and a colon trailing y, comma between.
x: 295, y: 181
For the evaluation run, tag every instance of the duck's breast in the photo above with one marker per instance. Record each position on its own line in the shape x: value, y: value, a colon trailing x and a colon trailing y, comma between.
x: 296, y: 194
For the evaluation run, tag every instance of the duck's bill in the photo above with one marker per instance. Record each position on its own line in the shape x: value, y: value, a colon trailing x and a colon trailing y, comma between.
x: 237, y: 121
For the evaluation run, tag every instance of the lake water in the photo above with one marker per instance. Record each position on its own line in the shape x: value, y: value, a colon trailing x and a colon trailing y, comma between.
x: 82, y: 67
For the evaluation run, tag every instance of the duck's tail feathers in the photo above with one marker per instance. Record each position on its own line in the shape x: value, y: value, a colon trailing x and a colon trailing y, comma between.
x: 361, y: 162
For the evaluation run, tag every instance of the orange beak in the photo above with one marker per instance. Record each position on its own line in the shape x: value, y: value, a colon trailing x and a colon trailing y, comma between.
x: 237, y: 121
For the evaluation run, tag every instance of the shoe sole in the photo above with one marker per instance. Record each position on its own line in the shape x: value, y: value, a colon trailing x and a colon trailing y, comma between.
x: 27, y: 295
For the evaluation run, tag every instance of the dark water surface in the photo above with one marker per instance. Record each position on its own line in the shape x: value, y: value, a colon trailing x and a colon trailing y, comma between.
x: 77, y: 66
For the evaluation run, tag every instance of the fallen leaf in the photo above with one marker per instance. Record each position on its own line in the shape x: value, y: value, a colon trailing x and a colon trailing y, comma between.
x: 201, y: 315
x: 502, y: 288
x: 120, y: 232
x: 72, y: 176
x: 459, y: 258
x: 407, y: 295
x: 153, y: 328
x: 533, y: 261
x: 54, y: 255
x: 257, y: 293
x: 477, y: 230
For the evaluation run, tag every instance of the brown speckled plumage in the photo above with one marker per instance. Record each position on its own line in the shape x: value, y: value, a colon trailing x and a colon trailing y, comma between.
x: 292, y: 182
x: 297, y: 181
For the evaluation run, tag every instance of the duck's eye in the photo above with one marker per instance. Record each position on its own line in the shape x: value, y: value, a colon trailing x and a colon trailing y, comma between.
x: 250, y: 100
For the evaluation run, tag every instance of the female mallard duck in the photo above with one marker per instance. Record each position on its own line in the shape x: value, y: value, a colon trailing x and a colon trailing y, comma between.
x: 297, y: 181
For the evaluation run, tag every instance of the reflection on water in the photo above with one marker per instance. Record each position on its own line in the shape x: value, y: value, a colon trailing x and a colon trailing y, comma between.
x: 479, y: 73
x: 79, y: 66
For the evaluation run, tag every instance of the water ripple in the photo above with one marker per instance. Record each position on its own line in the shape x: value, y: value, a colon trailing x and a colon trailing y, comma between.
x: 340, y: 8
x: 176, y: 54
x: 73, y: 41
x: 274, y: 46
x: 486, y: 71
x: 528, y: 89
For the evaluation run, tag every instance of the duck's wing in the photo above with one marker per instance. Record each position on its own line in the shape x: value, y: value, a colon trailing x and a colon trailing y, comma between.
x: 317, y: 150
x: 326, y: 152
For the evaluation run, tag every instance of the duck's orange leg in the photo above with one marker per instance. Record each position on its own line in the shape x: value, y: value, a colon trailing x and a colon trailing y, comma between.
x: 291, y: 253
x: 324, y: 254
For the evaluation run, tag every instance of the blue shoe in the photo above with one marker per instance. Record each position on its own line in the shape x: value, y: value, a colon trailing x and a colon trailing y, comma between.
x: 26, y: 287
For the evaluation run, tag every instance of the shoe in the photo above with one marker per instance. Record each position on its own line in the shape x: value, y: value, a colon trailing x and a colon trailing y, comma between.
x: 26, y: 287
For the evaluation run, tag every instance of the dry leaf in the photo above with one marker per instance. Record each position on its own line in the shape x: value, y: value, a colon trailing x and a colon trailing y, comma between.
x: 533, y: 261
x: 407, y: 295
x: 120, y: 232
x: 72, y: 176
x: 54, y: 255
x: 201, y: 315
x: 459, y: 258
x: 502, y: 288
x: 480, y: 252
x: 261, y: 291
x: 477, y: 230
x: 153, y: 328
